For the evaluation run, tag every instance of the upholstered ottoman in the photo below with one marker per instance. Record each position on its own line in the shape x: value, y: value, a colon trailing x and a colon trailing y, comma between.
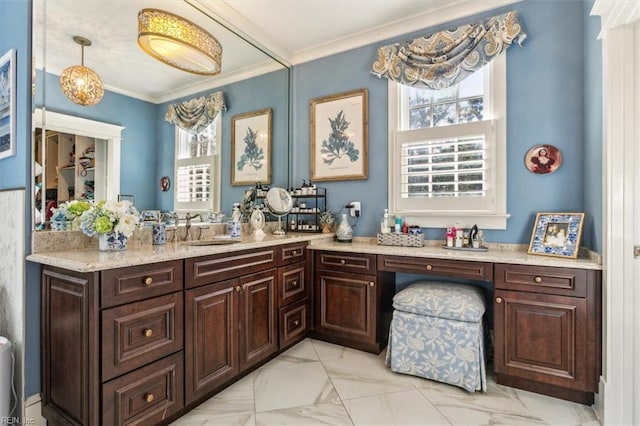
x: 437, y: 333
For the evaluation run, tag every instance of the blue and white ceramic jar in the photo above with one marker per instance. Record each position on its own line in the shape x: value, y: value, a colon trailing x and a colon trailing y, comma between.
x: 159, y: 233
x: 234, y: 228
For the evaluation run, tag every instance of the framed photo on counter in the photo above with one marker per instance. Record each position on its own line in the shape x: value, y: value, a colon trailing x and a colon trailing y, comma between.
x: 557, y: 234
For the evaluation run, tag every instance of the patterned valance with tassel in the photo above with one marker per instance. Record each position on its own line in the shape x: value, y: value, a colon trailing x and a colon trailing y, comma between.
x: 445, y: 58
x: 196, y: 114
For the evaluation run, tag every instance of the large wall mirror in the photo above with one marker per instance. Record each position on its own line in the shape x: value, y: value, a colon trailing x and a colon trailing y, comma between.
x: 138, y: 92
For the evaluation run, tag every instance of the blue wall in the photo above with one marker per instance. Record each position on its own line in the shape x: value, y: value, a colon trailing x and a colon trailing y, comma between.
x: 545, y: 101
x: 592, y: 235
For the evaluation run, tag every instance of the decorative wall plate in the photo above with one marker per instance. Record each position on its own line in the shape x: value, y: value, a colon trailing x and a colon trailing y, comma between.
x: 165, y: 183
x: 543, y: 159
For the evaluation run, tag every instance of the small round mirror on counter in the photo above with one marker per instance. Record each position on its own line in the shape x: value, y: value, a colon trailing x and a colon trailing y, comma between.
x: 279, y: 203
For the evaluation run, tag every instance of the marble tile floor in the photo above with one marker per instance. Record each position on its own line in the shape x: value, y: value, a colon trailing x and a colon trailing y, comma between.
x: 318, y: 383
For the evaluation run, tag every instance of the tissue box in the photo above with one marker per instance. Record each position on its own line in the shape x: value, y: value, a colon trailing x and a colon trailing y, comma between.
x: 404, y: 240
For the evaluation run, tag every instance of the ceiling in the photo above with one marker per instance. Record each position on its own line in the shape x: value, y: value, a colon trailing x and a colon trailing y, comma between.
x: 292, y: 31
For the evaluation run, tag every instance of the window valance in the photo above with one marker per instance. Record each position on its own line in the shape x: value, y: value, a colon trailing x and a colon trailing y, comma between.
x: 447, y: 57
x: 196, y: 114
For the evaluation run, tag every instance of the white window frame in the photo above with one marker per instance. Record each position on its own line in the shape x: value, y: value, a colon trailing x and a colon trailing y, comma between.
x: 492, y: 212
x: 215, y: 183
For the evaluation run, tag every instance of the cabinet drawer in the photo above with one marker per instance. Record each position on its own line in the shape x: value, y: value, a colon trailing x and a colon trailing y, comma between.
x: 346, y: 262
x: 133, y: 283
x: 138, y: 333
x: 437, y: 267
x: 292, y: 253
x: 292, y: 284
x: 543, y: 279
x: 209, y: 269
x: 294, y: 322
x: 146, y: 396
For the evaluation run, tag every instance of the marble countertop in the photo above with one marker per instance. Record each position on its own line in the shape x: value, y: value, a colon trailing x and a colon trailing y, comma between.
x: 91, y: 259
x: 497, y: 253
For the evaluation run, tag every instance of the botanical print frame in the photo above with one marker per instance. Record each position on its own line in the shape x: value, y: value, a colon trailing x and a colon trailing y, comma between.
x: 339, y: 136
x: 557, y: 234
x: 251, y: 148
x: 8, y: 104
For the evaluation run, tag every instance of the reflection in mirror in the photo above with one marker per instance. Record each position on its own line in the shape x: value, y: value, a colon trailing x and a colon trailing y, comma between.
x: 139, y: 90
x: 80, y: 161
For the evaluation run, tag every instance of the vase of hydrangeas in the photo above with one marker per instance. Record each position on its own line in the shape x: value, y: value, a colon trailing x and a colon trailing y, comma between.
x: 66, y: 217
x: 113, y: 222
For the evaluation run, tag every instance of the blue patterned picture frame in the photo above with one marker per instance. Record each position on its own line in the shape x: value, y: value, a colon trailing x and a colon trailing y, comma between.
x: 557, y: 234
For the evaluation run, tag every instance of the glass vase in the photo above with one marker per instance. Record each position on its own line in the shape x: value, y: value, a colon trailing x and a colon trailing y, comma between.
x: 112, y: 241
x: 344, y: 233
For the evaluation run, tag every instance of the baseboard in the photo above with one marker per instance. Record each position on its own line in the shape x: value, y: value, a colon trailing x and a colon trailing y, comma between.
x: 33, y: 411
x: 598, y: 403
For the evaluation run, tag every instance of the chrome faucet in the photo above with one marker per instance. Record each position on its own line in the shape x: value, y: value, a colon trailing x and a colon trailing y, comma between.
x: 187, y: 226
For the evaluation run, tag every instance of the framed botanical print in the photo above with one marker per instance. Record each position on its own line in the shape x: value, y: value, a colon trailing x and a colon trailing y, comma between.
x: 339, y: 138
x: 557, y: 234
x: 8, y: 104
x: 251, y: 148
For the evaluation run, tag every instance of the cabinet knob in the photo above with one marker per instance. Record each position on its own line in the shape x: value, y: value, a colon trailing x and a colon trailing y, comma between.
x: 538, y: 279
x: 498, y: 299
x: 294, y: 283
x: 244, y: 286
x: 148, y: 332
x: 295, y: 253
x: 372, y: 284
x: 296, y: 323
x: 148, y: 281
x: 342, y: 261
x: 148, y: 397
x: 238, y: 288
x: 429, y: 267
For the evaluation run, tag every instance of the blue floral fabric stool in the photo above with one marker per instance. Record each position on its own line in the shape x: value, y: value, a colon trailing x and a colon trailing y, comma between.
x: 437, y: 333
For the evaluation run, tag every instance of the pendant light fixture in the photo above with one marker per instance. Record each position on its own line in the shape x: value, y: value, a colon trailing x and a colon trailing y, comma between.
x: 178, y: 42
x: 81, y: 84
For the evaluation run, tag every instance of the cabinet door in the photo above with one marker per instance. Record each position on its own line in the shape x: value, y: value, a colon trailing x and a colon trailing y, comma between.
x: 542, y: 338
x: 70, y: 347
x: 211, y: 330
x: 258, y: 318
x: 345, y: 305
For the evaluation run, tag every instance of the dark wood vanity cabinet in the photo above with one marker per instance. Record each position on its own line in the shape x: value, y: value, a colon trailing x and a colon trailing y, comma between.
x: 96, y: 348
x: 231, y: 325
x: 547, y: 330
x: 352, y: 304
x: 294, y: 294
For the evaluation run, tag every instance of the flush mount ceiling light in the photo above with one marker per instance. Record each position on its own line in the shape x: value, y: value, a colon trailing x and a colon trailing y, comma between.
x: 178, y: 42
x: 81, y: 84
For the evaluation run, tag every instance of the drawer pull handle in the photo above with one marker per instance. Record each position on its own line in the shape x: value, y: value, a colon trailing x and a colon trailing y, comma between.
x: 148, y: 280
x: 294, y: 283
x: 372, y: 284
x: 342, y: 261
x: 538, y: 279
x: 295, y: 253
x: 238, y: 288
x: 296, y: 323
x: 148, y: 332
x: 498, y: 299
x: 148, y: 397
x: 429, y: 267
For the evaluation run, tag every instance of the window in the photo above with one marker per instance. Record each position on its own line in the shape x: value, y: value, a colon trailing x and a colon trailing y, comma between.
x: 447, y: 151
x: 197, y: 169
